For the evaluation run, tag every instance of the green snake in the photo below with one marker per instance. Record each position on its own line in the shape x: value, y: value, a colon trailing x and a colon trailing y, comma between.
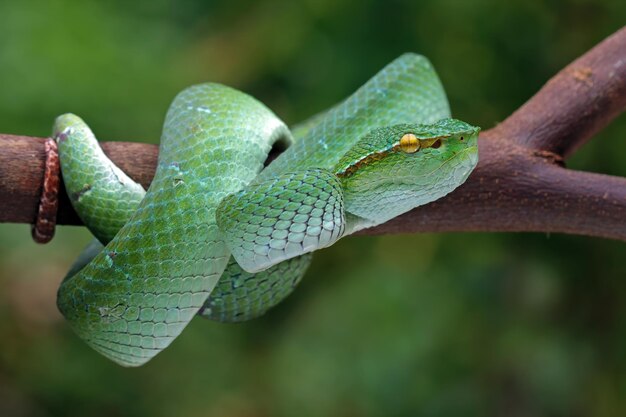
x: 161, y: 257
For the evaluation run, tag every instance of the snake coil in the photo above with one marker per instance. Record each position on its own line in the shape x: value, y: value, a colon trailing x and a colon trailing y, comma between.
x: 163, y: 256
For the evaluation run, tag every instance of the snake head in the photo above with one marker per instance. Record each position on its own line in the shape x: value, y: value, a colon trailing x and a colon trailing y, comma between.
x: 393, y: 169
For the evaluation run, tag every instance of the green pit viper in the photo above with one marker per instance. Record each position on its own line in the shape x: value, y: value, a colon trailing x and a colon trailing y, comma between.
x: 218, y: 235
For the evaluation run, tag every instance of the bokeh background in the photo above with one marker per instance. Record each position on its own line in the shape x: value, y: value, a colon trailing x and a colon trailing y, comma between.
x: 429, y: 324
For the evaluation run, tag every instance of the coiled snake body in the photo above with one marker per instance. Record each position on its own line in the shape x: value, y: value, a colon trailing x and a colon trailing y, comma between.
x: 384, y: 150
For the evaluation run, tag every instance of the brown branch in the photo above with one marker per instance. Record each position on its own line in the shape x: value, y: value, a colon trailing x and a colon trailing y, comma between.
x: 575, y: 104
x: 22, y: 161
x: 513, y: 189
x: 520, y: 183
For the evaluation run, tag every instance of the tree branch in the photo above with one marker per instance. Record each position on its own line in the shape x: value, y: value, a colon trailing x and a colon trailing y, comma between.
x: 520, y: 183
x: 575, y: 104
x: 516, y: 190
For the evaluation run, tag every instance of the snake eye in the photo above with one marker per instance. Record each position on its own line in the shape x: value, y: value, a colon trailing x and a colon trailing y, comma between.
x: 409, y: 143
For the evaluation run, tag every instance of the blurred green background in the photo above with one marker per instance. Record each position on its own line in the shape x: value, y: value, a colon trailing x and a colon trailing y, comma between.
x: 430, y: 324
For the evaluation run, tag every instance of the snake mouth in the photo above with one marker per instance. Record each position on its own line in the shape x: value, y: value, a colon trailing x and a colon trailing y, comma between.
x: 472, y: 154
x: 468, y: 158
x: 468, y: 154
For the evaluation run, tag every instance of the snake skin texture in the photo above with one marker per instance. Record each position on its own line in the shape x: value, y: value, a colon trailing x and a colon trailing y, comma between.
x: 241, y: 295
x: 286, y: 216
x: 168, y: 254
x: 407, y: 90
x: 136, y: 296
x: 104, y: 209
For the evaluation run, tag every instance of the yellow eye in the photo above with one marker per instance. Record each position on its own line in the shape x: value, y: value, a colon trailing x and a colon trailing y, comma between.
x: 409, y: 143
